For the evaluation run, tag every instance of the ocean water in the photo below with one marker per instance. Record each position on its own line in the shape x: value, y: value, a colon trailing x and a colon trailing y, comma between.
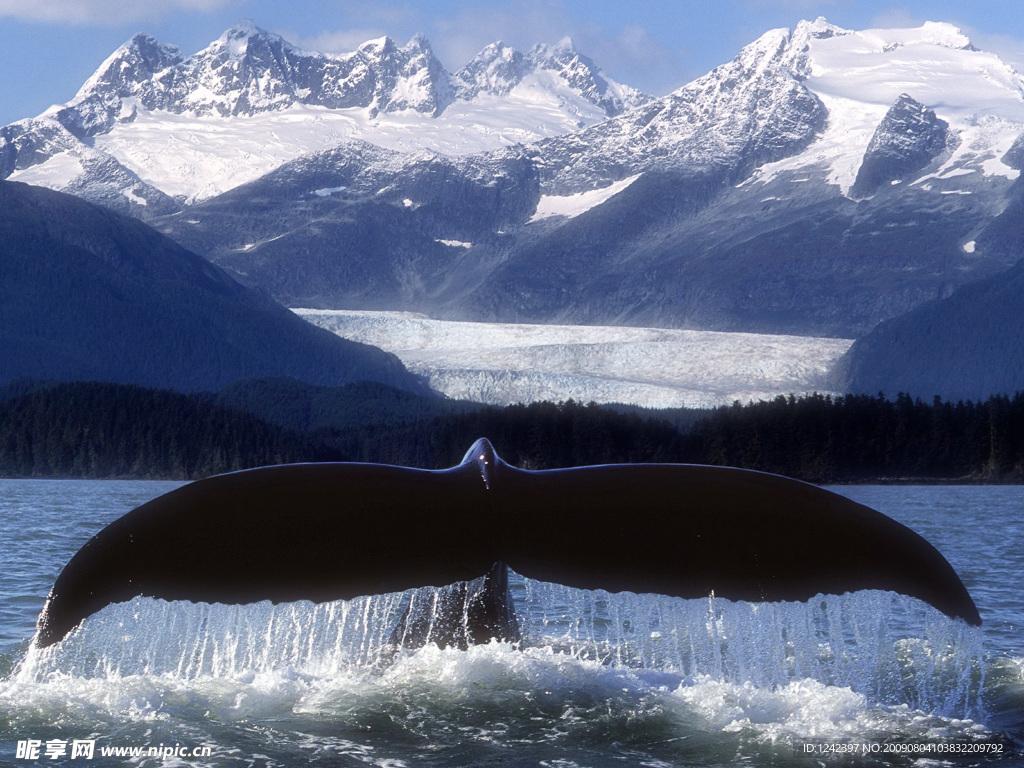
x: 871, y: 678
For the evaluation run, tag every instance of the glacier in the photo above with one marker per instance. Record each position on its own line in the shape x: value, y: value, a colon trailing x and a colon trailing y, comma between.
x: 505, y: 363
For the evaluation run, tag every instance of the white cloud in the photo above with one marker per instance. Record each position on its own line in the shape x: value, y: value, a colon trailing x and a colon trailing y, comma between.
x: 103, y: 12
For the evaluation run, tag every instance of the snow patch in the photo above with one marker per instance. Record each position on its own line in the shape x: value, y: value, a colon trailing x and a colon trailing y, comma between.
x: 969, y: 246
x: 502, y: 363
x: 328, y: 191
x: 56, y: 173
x: 571, y: 206
x: 133, y: 195
x: 455, y: 243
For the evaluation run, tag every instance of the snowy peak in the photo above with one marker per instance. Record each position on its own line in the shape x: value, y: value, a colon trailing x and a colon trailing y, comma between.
x: 819, y: 29
x: 236, y: 39
x: 133, y: 72
x: 582, y: 74
x: 909, y: 137
x: 930, y: 33
x: 410, y: 77
x: 245, y: 70
x: 130, y: 66
x: 935, y: 64
x: 248, y: 70
x: 752, y: 110
x: 499, y: 69
x: 812, y: 96
x: 860, y: 75
x: 759, y: 92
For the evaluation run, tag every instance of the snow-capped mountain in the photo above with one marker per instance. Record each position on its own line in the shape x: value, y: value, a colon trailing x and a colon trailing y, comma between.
x: 809, y: 98
x: 753, y: 110
x: 738, y: 205
x: 248, y: 71
x: 909, y: 137
x: 193, y: 127
x: 823, y: 181
x: 500, y: 70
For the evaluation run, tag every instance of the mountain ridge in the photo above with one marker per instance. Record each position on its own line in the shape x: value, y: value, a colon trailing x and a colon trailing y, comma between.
x: 250, y: 73
x: 88, y: 294
x: 822, y: 182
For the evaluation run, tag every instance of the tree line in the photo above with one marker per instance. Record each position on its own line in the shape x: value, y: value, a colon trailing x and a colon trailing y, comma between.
x: 860, y: 437
x: 109, y: 430
x: 98, y: 430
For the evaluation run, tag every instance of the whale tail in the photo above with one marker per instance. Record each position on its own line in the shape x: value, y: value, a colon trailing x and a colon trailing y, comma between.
x: 461, y: 614
x: 325, y: 532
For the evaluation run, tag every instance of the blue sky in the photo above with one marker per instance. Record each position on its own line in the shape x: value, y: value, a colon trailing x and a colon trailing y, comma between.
x: 49, y: 47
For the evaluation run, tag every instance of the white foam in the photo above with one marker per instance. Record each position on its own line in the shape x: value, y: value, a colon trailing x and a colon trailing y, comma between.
x: 832, y: 667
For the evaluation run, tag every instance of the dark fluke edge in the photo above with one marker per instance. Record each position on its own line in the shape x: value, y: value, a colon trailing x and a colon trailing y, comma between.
x: 325, y: 532
x: 461, y: 614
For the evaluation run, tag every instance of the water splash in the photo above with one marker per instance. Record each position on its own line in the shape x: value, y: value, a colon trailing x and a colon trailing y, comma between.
x: 891, y: 649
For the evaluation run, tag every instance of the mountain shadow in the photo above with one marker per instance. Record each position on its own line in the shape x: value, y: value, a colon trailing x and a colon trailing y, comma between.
x: 87, y: 294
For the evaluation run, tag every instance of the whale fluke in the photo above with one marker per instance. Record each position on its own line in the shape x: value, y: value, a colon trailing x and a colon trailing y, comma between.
x: 325, y: 532
x: 461, y: 614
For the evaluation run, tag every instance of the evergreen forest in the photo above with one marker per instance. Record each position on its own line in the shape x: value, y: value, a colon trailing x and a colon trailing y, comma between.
x: 122, y: 431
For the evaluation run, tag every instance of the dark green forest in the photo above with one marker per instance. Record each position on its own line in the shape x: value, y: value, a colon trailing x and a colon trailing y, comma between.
x: 122, y: 431
x: 109, y: 430
x: 858, y: 438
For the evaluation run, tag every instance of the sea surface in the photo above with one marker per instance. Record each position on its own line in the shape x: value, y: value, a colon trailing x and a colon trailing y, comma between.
x: 602, y: 680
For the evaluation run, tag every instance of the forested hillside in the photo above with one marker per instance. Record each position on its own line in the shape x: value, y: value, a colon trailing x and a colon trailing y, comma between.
x: 113, y: 430
x: 107, y: 430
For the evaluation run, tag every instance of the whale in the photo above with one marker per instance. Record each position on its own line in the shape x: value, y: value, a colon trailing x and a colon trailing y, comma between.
x: 336, y: 531
x: 460, y: 615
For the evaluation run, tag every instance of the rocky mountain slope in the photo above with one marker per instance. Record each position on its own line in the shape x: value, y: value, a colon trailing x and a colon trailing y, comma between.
x: 967, y: 345
x: 801, y: 188
x: 821, y: 183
